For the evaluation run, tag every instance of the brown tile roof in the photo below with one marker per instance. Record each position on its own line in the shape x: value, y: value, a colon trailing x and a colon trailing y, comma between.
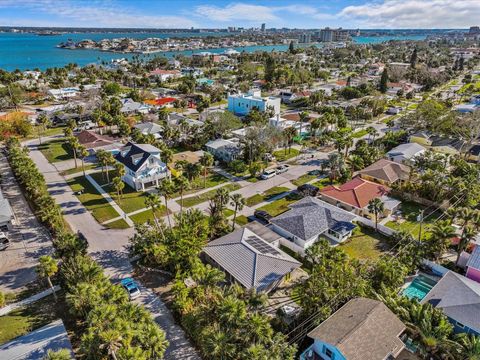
x: 91, y: 140
x: 357, y: 192
x: 362, y: 329
x: 386, y: 170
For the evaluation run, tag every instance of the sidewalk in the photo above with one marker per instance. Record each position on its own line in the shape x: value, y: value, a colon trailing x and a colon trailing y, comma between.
x: 9, y: 308
x: 107, y: 197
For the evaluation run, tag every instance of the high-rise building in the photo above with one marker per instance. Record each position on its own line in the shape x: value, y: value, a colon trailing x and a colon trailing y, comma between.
x: 263, y: 27
x: 474, y: 30
x: 305, y: 38
x: 326, y: 35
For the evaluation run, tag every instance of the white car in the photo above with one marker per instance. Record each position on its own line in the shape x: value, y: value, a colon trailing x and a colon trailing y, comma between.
x: 282, y: 168
x: 267, y: 174
x: 4, y: 242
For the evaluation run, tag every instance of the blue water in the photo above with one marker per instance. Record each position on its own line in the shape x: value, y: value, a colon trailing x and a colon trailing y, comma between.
x: 30, y: 51
x: 419, y: 287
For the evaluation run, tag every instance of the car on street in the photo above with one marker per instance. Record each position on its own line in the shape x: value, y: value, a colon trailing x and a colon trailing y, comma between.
x: 262, y: 215
x: 267, y: 174
x: 4, y: 242
x: 282, y: 168
x: 268, y: 157
x: 132, y: 288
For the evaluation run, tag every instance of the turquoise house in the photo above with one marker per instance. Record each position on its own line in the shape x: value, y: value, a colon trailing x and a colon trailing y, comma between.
x: 361, y: 329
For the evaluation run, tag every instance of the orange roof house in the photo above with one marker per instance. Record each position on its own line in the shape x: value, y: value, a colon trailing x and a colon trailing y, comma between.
x: 356, y: 193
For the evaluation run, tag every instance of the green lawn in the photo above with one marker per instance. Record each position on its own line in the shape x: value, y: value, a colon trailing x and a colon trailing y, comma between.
x: 241, y: 220
x: 280, y: 206
x: 198, y: 199
x: 365, y: 244
x: 48, y: 132
x: 147, y: 215
x: 56, y: 150
x: 305, y: 178
x: 280, y: 155
x: 92, y: 200
x: 360, y: 133
x: 117, y: 224
x: 410, y: 212
x: 213, y: 179
x: 324, y: 182
x: 78, y: 169
x: 265, y: 196
x: 24, y: 320
x: 228, y: 212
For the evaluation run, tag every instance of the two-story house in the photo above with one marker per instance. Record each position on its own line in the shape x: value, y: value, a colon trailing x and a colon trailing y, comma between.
x: 242, y: 104
x: 310, y: 218
x: 361, y: 329
x: 143, y: 165
x: 225, y: 150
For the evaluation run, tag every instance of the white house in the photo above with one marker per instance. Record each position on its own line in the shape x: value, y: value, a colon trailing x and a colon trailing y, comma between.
x: 241, y: 104
x: 225, y: 150
x: 130, y: 107
x: 164, y: 75
x: 308, y: 220
x: 281, y: 123
x: 405, y: 153
x: 143, y: 165
x: 63, y: 93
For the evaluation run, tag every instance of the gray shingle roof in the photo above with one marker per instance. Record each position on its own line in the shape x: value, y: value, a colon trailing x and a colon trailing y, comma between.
x: 408, y: 150
x: 138, y: 152
x: 362, y: 329
x: 149, y: 128
x: 252, y: 261
x: 310, y: 217
x: 474, y: 260
x: 458, y: 297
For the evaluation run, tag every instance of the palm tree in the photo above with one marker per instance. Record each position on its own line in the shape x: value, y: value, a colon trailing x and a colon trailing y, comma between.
x: 118, y: 185
x: 46, y: 268
x: 83, y: 153
x: 206, y: 161
x: 153, y: 202
x: 442, y: 232
x: 43, y: 122
x: 335, y: 163
x: 74, y: 144
x: 469, y: 346
x: 304, y: 117
x: 101, y: 158
x: 238, y: 201
x: 166, y: 189
x: 62, y: 354
x: 183, y: 185
x: 111, y: 341
x: 376, y: 206
x: 468, y: 235
x: 289, y: 134
x: 109, y: 160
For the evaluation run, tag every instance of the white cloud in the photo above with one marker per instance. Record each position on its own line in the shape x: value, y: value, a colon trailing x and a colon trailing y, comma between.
x: 414, y: 14
x: 95, y: 14
x: 236, y: 12
x: 257, y: 13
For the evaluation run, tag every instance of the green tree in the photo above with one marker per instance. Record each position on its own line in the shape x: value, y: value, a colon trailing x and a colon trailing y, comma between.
x: 182, y: 185
x: 118, y: 185
x: 440, y: 239
x: 237, y: 201
x: 384, y: 81
x: 47, y: 268
x: 62, y: 354
x: 154, y: 203
x: 166, y: 189
x: 74, y: 144
x: 413, y: 59
x: 82, y: 154
x: 289, y: 133
x: 43, y: 121
x: 376, y: 207
x: 206, y: 161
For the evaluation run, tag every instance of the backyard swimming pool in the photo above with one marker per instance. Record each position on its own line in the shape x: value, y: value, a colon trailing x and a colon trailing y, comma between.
x: 419, y: 287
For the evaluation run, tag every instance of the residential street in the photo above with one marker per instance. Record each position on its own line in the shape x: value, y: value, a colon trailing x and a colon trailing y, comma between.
x: 107, y: 247
x: 29, y: 239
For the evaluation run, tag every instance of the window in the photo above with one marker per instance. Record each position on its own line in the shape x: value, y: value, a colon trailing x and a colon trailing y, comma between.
x: 460, y: 325
x: 328, y: 352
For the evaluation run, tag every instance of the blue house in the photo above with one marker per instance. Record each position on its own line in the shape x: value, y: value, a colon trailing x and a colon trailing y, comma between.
x: 459, y: 298
x: 361, y: 329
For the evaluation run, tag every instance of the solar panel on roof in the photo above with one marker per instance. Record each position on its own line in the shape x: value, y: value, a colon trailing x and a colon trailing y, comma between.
x: 261, y: 246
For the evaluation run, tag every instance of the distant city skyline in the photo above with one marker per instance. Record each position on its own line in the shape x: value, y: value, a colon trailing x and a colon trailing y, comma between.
x: 365, y: 14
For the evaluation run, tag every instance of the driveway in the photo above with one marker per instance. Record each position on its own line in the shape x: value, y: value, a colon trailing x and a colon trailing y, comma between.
x: 108, y: 248
x: 29, y: 239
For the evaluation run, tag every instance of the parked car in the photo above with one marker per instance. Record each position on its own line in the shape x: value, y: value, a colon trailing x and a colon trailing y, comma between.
x: 132, y: 288
x: 4, y: 242
x: 315, y: 172
x: 267, y: 174
x: 262, y: 215
x: 85, y: 125
x: 308, y: 190
x: 282, y: 168
x: 268, y: 157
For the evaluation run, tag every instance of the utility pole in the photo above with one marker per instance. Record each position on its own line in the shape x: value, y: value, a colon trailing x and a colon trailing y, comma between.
x: 420, y: 218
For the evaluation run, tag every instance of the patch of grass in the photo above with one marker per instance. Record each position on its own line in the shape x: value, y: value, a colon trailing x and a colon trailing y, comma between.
x: 117, y: 224
x: 48, y: 132
x: 99, y: 177
x: 198, y: 199
x: 360, y: 133
x: 78, y: 169
x: 280, y: 155
x: 228, y: 212
x: 213, y: 179
x: 270, y: 193
x: 92, y: 200
x: 56, y: 150
x: 254, y: 200
x: 147, y: 215
x: 31, y: 317
x: 410, y: 213
x: 305, y: 178
x: 324, y: 182
x: 242, y: 220
x: 278, y: 207
x: 252, y: 179
x: 276, y: 190
x: 365, y: 244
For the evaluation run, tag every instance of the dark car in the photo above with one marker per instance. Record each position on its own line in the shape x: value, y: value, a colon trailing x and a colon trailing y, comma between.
x: 262, y: 215
x: 308, y: 190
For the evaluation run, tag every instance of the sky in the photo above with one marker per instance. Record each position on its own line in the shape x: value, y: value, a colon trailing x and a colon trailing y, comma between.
x: 311, y: 14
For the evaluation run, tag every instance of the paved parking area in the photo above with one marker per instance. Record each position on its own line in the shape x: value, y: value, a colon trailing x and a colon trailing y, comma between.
x: 29, y: 239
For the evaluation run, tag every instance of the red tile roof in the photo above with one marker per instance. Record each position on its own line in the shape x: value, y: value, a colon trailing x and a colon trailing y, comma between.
x: 161, y: 101
x: 357, y: 192
x: 91, y: 140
